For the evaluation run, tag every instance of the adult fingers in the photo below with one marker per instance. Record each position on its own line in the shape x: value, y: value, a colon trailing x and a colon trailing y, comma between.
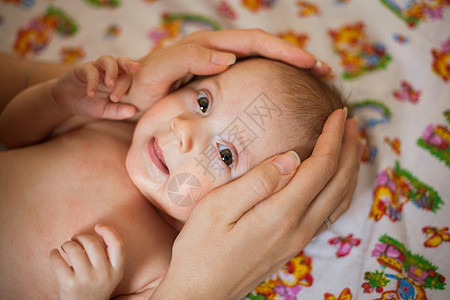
x: 256, y: 185
x: 336, y: 196
x: 344, y: 205
x: 287, y: 208
x: 177, y: 61
x: 251, y: 42
x: 314, y: 172
x: 114, y: 246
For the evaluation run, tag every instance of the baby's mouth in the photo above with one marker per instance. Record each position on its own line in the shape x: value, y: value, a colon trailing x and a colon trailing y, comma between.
x: 159, y: 156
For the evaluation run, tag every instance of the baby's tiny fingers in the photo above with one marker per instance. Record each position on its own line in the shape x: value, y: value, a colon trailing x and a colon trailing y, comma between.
x: 94, y: 250
x: 121, y: 87
x: 89, y: 74
x: 59, y: 266
x: 108, y: 64
x: 118, y: 111
x: 77, y: 256
x: 114, y: 245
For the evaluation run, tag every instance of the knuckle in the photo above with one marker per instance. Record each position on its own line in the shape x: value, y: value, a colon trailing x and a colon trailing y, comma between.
x: 102, y: 277
x: 345, y: 178
x: 84, y: 237
x: 258, y: 31
x: 120, y: 245
x: 70, y: 285
x: 195, y: 34
x: 106, y: 57
x: 190, y: 48
x: 68, y: 245
x: 264, y: 183
x: 292, y: 221
x: 330, y: 165
x: 347, y: 201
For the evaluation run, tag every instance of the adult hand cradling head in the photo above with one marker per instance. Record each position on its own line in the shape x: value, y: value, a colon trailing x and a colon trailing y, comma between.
x: 207, y: 53
x: 248, y: 219
x: 248, y: 227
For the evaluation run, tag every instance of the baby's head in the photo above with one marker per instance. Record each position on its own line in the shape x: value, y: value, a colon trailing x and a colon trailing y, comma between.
x: 216, y: 128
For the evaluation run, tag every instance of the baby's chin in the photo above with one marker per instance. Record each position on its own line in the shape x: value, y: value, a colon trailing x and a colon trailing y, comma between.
x: 174, y: 215
x: 176, y: 211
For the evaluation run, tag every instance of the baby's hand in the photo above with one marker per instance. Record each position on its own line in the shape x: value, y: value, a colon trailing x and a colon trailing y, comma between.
x: 95, y: 88
x: 95, y: 271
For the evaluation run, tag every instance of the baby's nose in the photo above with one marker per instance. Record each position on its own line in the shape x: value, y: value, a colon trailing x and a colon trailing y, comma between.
x: 183, y: 130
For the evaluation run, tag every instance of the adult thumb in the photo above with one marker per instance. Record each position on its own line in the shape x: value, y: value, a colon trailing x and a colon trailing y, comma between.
x: 237, y: 197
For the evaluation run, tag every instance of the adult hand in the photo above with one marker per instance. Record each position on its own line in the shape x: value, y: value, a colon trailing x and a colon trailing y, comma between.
x: 207, y: 53
x: 245, y: 230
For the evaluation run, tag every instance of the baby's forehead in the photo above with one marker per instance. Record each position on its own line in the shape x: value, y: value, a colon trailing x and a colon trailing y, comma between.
x: 252, y: 66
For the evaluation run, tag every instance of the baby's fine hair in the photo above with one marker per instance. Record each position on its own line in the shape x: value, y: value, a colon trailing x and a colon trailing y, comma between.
x: 310, y: 101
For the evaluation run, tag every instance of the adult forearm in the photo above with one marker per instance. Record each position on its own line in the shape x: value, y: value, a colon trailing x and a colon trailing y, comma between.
x: 16, y: 74
x: 31, y: 116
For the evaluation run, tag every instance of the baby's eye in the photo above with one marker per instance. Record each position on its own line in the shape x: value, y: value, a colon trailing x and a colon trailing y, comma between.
x: 225, y: 154
x: 203, y: 101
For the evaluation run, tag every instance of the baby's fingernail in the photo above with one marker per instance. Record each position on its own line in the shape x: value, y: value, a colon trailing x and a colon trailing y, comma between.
x: 114, y: 97
x: 287, y: 162
x: 356, y: 123
x: 223, y: 59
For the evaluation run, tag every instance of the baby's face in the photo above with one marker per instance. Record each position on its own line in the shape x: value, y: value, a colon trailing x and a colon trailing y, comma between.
x: 206, y: 134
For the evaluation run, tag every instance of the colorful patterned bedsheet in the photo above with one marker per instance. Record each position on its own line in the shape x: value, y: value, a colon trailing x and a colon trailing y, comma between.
x: 392, y: 58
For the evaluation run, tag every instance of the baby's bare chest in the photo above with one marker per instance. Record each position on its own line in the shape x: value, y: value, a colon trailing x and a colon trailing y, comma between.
x: 52, y: 191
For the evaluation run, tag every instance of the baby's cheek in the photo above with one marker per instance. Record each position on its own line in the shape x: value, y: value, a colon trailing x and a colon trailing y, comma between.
x: 213, y: 179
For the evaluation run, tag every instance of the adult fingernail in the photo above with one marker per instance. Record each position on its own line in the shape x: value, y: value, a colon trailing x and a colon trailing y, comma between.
x: 345, y: 110
x: 287, y: 162
x: 318, y: 64
x: 223, y: 59
x: 321, y: 65
x: 361, y: 146
x: 356, y: 123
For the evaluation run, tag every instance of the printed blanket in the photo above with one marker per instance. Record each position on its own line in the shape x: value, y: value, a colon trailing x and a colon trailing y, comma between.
x: 392, y: 57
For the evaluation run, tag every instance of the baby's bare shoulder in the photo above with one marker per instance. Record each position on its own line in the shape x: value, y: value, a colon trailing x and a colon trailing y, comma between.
x: 82, y: 123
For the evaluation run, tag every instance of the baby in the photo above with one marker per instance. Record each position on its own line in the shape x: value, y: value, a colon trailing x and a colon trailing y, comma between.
x: 91, y: 171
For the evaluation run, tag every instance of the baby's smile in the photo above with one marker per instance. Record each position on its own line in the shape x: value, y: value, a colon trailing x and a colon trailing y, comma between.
x: 157, y: 156
x: 206, y: 130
